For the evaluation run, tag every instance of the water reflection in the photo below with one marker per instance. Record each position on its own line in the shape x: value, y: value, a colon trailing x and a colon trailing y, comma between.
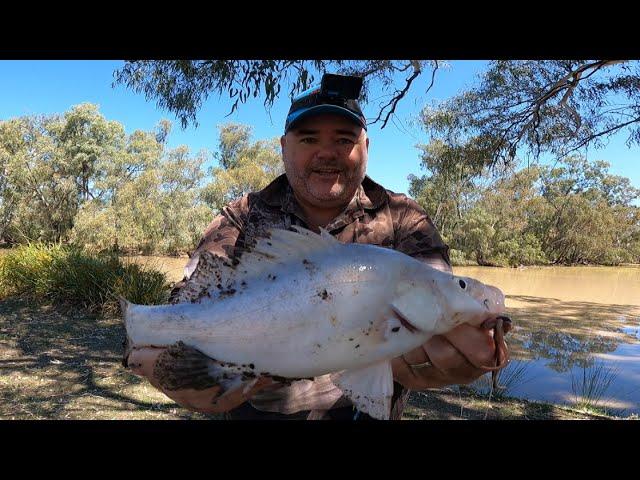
x: 565, y: 320
x: 567, y: 333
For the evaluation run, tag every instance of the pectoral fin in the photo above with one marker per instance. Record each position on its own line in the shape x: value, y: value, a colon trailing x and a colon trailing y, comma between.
x: 370, y: 388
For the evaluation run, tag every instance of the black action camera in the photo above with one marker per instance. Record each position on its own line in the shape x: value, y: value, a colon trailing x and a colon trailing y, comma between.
x: 340, y: 86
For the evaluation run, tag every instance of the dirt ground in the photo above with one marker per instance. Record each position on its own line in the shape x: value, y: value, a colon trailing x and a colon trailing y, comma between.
x: 57, y: 364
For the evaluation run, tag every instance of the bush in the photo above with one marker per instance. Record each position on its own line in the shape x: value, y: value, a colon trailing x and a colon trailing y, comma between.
x: 459, y: 259
x: 69, y: 276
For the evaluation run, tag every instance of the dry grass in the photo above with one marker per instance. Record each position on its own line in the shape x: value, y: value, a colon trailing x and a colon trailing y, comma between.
x: 461, y: 403
x: 66, y: 365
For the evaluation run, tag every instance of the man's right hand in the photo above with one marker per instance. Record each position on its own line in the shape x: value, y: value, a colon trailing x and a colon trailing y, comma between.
x: 142, y: 362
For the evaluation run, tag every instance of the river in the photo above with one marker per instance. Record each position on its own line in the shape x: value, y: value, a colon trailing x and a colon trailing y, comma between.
x: 571, y: 325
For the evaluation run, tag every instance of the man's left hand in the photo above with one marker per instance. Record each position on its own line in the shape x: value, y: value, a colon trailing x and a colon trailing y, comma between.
x: 458, y: 357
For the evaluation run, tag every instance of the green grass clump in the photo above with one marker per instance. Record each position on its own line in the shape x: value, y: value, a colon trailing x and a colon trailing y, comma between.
x: 67, y: 275
x: 590, y: 384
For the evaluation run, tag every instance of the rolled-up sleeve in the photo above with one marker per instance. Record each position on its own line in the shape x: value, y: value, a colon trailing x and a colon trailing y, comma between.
x: 415, y: 233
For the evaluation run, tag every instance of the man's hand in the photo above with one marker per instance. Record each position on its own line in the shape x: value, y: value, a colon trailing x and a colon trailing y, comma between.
x: 209, y: 400
x: 458, y: 357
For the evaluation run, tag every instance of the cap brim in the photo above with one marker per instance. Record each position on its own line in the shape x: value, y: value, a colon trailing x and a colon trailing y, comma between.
x: 297, y: 117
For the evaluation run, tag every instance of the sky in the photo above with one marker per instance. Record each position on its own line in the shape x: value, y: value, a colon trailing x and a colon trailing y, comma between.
x: 31, y: 87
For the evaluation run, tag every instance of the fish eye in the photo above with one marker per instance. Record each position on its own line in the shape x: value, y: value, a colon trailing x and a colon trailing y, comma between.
x: 462, y: 283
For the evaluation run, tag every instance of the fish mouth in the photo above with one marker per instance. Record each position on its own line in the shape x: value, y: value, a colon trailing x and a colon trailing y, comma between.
x: 404, y: 320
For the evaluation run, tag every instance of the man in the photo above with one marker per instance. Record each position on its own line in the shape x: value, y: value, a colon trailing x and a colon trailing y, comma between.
x: 324, y: 151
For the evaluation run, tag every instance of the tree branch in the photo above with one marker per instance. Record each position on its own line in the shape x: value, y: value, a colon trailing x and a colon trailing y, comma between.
x: 400, y: 94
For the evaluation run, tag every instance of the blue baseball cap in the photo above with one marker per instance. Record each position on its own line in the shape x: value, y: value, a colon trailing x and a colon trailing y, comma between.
x: 336, y: 94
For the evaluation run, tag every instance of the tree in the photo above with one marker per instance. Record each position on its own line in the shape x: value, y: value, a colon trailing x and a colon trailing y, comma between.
x: 245, y: 166
x: 589, y: 216
x: 44, y: 193
x: 572, y: 212
x: 496, y: 229
x: 49, y: 164
x: 9, y: 146
x: 181, y: 86
x: 555, y: 106
x: 145, y: 199
x: 448, y: 188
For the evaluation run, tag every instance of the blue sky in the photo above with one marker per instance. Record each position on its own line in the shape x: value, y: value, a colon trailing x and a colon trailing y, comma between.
x: 53, y: 86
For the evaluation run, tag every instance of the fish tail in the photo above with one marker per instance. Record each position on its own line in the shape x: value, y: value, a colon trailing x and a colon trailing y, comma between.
x: 127, y: 344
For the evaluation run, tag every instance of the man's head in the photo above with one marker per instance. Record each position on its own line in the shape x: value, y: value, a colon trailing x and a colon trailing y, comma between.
x: 325, y: 144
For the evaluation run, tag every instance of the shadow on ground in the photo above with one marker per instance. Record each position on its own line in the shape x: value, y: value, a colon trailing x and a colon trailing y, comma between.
x: 56, y: 364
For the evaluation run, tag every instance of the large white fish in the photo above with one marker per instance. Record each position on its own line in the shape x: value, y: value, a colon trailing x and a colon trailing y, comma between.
x: 301, y: 305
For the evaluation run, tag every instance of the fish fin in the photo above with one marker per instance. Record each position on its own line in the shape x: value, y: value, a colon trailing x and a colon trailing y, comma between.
x: 127, y: 344
x: 216, y: 277
x: 369, y: 388
x: 212, y: 276
x: 282, y: 246
x: 181, y: 366
x: 249, y: 385
x: 234, y: 383
x: 416, y: 307
x: 124, y: 305
x: 327, y: 236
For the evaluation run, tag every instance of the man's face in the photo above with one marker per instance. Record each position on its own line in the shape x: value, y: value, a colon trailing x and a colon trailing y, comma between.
x: 325, y: 159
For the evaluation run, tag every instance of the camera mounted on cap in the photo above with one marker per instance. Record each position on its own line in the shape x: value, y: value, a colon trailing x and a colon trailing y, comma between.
x: 336, y: 94
x: 340, y: 87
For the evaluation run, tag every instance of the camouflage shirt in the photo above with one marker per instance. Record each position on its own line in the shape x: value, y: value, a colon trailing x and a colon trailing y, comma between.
x: 374, y: 216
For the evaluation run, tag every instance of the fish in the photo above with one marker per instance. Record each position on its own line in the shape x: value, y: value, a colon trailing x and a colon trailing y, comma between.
x: 299, y: 305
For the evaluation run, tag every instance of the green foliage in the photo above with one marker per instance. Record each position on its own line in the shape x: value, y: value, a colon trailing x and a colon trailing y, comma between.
x: 459, y: 258
x: 535, y: 106
x: 181, y: 86
x: 569, y: 213
x: 79, y: 178
x: 245, y: 166
x: 154, y: 210
x: 49, y: 164
x: 66, y: 275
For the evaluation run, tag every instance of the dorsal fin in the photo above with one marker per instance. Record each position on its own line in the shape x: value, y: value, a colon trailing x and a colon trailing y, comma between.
x: 215, y: 276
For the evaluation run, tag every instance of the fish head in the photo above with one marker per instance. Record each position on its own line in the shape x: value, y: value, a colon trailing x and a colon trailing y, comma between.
x: 433, y: 301
x: 466, y: 300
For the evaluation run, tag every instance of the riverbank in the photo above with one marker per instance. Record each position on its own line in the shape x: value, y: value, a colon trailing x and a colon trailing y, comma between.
x: 59, y: 364
x: 461, y: 403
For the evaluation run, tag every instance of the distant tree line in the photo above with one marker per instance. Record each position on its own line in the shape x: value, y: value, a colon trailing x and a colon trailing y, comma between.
x: 571, y: 212
x: 79, y: 178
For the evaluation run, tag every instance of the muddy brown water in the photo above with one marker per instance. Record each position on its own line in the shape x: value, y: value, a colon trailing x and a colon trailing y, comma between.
x: 569, y: 323
x: 572, y: 324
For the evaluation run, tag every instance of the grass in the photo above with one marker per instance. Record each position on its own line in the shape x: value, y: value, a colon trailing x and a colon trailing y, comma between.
x: 510, y: 377
x: 69, y: 276
x: 590, y: 384
x: 66, y: 364
x: 61, y: 336
x: 464, y: 403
